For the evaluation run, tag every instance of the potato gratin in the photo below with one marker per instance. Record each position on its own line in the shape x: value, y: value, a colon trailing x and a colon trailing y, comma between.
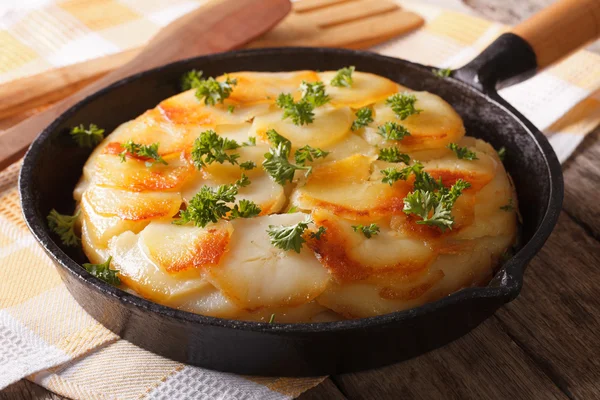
x: 292, y: 197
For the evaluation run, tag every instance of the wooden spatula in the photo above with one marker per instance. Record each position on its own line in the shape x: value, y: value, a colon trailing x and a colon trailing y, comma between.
x: 217, y: 26
x: 328, y: 23
x: 340, y: 23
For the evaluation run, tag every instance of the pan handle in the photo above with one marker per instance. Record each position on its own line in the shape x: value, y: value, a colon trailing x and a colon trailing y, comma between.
x: 535, y: 44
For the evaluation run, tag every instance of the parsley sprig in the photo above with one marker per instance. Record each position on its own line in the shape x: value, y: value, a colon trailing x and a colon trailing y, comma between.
x: 393, y: 154
x: 320, y: 232
x: 364, y: 116
x: 210, y: 147
x: 502, y: 153
x: 277, y: 162
x: 300, y: 112
x: 314, y: 93
x: 431, y: 200
x: 309, y: 153
x: 89, y: 137
x: 403, y: 105
x: 392, y: 131
x: 103, y: 272
x: 289, y: 237
x: 142, y: 150
x: 64, y: 226
x: 369, y: 231
x: 391, y: 175
x: 463, y: 153
x: 442, y: 72
x: 191, y: 80
x: 343, y: 77
x: 213, y: 91
x: 212, y: 204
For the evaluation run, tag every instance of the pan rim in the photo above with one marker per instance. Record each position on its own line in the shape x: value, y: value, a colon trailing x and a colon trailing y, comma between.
x: 507, y: 290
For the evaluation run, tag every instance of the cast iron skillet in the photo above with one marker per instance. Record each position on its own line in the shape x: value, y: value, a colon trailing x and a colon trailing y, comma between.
x: 54, y: 164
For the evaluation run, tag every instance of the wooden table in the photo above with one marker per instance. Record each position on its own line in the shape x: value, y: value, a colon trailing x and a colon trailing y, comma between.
x: 544, y: 345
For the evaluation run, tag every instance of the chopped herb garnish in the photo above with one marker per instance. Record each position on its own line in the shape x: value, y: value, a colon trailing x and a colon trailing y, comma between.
x: 301, y: 112
x: 289, y: 237
x: 368, y: 231
x: 442, y: 72
x: 502, y: 153
x: 142, y: 150
x: 191, y: 80
x: 463, y: 152
x: 251, y: 142
x: 393, y: 154
x: 403, y: 105
x: 391, y: 175
x: 292, y: 210
x: 248, y: 165
x: 364, y: 116
x: 213, y: 91
x: 89, y: 137
x: 103, y: 272
x: 314, y: 93
x: 392, y: 131
x: 272, y: 319
x: 245, y: 209
x: 509, y: 206
x: 64, y: 226
x: 343, y: 77
x: 277, y: 162
x: 230, y: 108
x: 317, y: 235
x: 434, y: 206
x: 308, y: 153
x: 210, y: 147
x: 212, y: 204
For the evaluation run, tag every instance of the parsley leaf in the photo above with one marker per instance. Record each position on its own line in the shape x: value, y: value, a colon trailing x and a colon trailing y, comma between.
x: 248, y: 165
x: 403, y: 105
x: 392, y: 131
x: 279, y: 167
x: 89, y: 137
x: 442, y: 72
x: 289, y: 237
x: 191, y: 80
x: 317, y: 235
x: 210, y: 147
x: 301, y: 112
x: 142, y: 150
x: 368, y: 231
x: 230, y: 108
x: 393, y: 154
x: 509, y: 206
x: 275, y: 138
x: 463, y: 152
x: 103, y: 272
x: 64, y: 226
x: 213, y: 91
x: 212, y: 204
x: 314, y: 93
x: 307, y: 153
x: 245, y: 209
x: 391, y: 175
x: 251, y: 142
x: 502, y: 153
x: 364, y: 116
x: 343, y: 77
x: 434, y: 207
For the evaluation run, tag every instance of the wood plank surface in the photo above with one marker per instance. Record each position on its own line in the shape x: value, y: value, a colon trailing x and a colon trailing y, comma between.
x: 544, y: 345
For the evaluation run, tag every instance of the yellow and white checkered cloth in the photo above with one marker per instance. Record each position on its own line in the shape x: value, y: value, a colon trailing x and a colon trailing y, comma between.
x: 44, y: 334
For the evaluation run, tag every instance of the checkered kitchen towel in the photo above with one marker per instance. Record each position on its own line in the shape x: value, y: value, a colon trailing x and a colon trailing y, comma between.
x: 44, y: 334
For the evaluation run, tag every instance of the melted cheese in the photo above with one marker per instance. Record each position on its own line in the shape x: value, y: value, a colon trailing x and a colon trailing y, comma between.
x: 230, y: 269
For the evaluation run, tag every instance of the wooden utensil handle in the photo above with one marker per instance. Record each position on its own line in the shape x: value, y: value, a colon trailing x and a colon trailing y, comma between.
x: 197, y: 33
x: 560, y: 29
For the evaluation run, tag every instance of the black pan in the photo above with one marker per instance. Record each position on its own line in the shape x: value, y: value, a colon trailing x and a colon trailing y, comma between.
x: 53, y: 165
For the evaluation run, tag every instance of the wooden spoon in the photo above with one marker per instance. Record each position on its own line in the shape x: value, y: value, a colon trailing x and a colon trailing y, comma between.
x: 217, y: 26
